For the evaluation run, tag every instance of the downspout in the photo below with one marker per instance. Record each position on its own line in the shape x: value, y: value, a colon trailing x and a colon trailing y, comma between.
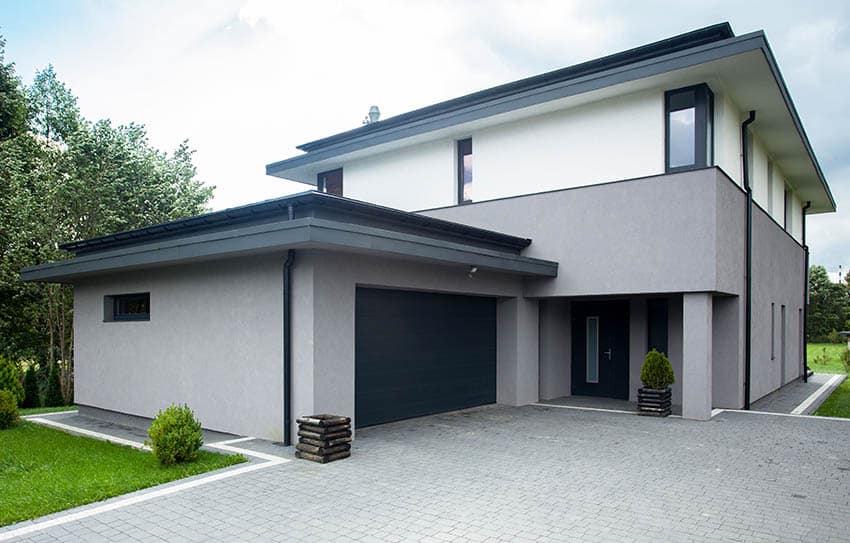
x: 287, y: 343
x: 805, y: 298
x: 748, y: 304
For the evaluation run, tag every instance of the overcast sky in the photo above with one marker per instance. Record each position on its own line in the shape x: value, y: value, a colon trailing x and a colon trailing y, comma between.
x: 247, y: 80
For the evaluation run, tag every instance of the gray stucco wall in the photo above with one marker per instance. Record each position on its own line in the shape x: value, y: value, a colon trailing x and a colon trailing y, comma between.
x: 650, y: 235
x: 214, y: 341
x: 778, y: 262
x: 324, y: 294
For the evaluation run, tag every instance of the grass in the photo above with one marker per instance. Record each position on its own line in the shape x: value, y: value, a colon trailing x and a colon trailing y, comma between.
x: 838, y: 403
x: 833, y: 357
x: 43, y: 470
x: 41, y: 410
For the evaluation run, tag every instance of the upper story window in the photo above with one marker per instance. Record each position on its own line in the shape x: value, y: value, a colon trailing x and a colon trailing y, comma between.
x: 127, y: 307
x: 464, y: 171
x: 330, y: 182
x: 689, y: 128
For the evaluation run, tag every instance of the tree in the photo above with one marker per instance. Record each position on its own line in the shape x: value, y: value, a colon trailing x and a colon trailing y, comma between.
x: 53, y: 109
x: 13, y: 110
x: 31, y: 396
x: 53, y: 396
x: 64, y: 179
x: 829, y: 306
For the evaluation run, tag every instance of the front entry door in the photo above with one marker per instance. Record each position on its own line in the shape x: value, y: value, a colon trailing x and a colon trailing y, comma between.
x: 600, y: 338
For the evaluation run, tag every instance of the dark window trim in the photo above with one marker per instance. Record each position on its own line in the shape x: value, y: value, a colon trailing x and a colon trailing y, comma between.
x: 773, y: 331
x: 461, y: 147
x: 703, y: 125
x: 111, y: 303
x: 320, y: 179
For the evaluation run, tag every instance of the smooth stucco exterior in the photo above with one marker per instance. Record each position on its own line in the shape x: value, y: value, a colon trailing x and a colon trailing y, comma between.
x: 214, y: 341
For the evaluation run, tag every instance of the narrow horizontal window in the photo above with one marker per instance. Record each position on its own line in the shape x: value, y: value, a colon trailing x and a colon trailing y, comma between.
x: 689, y: 128
x: 127, y: 307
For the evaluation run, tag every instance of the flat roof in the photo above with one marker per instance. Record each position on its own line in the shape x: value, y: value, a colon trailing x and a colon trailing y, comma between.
x: 305, y: 220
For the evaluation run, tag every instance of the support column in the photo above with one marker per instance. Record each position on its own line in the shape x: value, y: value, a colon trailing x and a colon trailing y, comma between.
x: 517, y: 343
x: 696, y: 356
x: 555, y: 349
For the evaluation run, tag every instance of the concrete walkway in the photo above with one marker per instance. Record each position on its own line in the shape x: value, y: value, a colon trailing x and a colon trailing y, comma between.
x: 528, y: 473
x: 798, y: 397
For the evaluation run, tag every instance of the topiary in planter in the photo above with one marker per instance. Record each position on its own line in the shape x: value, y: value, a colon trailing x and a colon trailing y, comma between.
x: 8, y: 409
x: 10, y: 379
x: 655, y: 398
x: 175, y: 435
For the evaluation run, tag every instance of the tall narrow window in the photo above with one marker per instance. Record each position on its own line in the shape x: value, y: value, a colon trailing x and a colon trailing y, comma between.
x: 657, y: 324
x: 464, y: 171
x: 772, y: 331
x: 770, y: 188
x: 782, y: 341
x: 787, y: 206
x: 592, y: 350
x: 330, y: 182
x: 689, y: 128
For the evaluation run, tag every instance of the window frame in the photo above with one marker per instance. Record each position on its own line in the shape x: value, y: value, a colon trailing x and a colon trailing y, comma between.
x: 321, y: 185
x: 703, y: 104
x: 460, y: 148
x: 111, y: 304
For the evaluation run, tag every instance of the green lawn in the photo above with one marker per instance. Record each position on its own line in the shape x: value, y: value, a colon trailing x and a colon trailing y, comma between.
x: 838, y: 403
x: 833, y: 353
x: 43, y: 470
x: 40, y: 410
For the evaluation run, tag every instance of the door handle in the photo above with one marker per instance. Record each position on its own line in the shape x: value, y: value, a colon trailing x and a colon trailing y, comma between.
x: 609, y: 353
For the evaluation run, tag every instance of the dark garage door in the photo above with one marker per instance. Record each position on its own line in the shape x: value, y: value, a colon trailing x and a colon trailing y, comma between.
x: 420, y: 353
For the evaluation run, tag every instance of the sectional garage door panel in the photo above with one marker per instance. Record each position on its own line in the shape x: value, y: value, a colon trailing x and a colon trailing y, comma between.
x: 420, y: 353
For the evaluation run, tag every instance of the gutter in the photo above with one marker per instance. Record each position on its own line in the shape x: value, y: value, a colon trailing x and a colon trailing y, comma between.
x: 287, y: 345
x: 805, y: 298
x: 748, y: 325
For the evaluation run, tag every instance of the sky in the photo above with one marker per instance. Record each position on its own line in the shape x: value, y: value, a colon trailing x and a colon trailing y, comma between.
x: 245, y: 81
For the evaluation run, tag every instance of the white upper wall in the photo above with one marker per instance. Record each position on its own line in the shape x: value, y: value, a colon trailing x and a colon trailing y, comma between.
x: 610, y: 139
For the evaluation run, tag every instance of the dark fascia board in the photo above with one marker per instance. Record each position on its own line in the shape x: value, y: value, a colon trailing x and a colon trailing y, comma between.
x: 304, y: 204
x: 281, y: 235
x: 679, y: 42
x: 456, y: 111
x: 521, y: 98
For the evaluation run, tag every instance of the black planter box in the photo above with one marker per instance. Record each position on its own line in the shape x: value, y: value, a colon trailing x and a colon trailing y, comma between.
x: 654, y: 402
x: 323, y: 438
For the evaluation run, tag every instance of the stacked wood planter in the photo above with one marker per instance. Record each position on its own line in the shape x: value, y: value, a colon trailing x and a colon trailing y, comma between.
x: 654, y: 401
x: 323, y: 438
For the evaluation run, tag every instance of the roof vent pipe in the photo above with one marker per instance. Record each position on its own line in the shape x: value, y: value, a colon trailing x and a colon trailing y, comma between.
x: 374, y: 115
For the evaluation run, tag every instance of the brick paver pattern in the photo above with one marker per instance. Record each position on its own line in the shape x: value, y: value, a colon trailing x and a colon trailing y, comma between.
x: 526, y: 474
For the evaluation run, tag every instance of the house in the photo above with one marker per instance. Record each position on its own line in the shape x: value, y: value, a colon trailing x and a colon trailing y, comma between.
x: 522, y: 243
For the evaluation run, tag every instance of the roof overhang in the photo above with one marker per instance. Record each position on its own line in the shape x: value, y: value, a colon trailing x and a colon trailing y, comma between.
x: 308, y: 220
x: 743, y: 66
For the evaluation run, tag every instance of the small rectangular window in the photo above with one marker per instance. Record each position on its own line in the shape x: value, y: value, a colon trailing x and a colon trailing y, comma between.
x: 592, y: 350
x: 464, y: 171
x: 330, y: 182
x: 127, y: 307
x: 689, y: 128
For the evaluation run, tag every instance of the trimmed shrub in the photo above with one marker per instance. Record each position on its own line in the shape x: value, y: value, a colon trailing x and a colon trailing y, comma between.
x: 10, y: 379
x: 835, y: 338
x: 8, y: 409
x: 175, y: 435
x: 53, y: 395
x: 31, y: 396
x: 657, y: 371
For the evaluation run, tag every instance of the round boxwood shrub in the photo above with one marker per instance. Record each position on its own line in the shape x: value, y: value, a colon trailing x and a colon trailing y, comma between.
x: 10, y: 379
x: 657, y: 371
x: 8, y: 409
x: 175, y: 435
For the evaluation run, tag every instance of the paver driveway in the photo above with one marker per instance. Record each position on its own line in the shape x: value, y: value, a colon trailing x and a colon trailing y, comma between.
x: 526, y: 474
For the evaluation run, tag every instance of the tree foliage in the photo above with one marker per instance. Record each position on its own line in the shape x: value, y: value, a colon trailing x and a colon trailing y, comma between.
x: 64, y: 178
x: 829, y: 306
